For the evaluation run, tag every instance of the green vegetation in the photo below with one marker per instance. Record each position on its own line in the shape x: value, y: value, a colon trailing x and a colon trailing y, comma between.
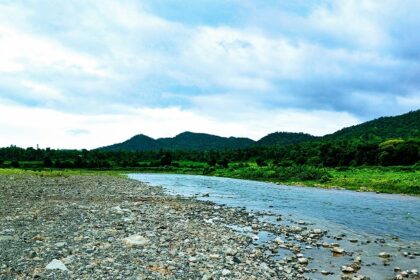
x: 381, y: 155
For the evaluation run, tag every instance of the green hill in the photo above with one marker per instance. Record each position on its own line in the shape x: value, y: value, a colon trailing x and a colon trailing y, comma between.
x: 284, y: 138
x: 403, y: 126
x: 137, y: 143
x: 202, y: 141
x: 183, y: 141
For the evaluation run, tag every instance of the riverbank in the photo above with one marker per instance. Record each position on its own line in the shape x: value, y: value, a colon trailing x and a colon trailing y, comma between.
x: 108, y: 227
x: 391, y: 180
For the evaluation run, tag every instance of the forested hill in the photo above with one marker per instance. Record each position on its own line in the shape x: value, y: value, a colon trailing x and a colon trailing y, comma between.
x: 403, y: 126
x: 183, y: 141
x: 284, y: 138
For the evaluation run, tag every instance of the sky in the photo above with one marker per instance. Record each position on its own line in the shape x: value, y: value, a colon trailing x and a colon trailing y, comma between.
x: 89, y: 73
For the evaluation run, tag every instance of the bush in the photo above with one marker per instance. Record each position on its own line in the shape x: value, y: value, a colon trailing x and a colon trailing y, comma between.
x: 260, y: 162
x: 208, y: 170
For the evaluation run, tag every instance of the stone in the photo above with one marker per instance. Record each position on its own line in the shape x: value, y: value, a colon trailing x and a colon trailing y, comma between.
x: 226, y: 272
x: 317, y: 231
x: 384, y: 255
x: 60, y: 244
x: 135, y: 241
x: 56, y: 264
x: 303, y: 260
x: 337, y: 250
x: 278, y: 240
x: 347, y: 269
x: 230, y: 251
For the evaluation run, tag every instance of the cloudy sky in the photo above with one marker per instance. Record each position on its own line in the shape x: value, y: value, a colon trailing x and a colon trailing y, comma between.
x: 86, y: 73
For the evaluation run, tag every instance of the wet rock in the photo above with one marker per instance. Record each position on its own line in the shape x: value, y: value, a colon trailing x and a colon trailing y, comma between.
x: 302, y: 260
x: 347, y: 269
x: 338, y: 250
x: 384, y: 255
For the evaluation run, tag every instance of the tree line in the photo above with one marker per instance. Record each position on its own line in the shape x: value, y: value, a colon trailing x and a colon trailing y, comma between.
x: 312, y: 153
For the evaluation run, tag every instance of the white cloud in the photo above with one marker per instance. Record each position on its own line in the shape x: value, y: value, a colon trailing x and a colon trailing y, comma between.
x: 20, y: 51
x: 24, y: 126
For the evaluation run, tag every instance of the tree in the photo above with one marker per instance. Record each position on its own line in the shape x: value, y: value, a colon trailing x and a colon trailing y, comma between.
x: 48, y: 162
x: 166, y: 159
x: 261, y: 162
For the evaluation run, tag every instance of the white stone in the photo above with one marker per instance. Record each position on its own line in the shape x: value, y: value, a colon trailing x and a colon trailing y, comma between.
x: 337, y: 250
x: 135, y: 241
x: 226, y: 272
x: 278, y: 240
x: 56, y: 264
x: 303, y: 260
x: 347, y: 269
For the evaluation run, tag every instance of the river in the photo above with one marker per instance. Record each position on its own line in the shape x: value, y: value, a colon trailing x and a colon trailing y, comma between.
x: 387, y: 222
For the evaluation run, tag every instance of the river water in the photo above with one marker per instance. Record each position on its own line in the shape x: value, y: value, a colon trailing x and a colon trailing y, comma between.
x: 364, y: 216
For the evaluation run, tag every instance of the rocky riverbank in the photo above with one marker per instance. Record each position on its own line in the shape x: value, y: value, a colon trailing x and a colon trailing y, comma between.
x: 103, y: 227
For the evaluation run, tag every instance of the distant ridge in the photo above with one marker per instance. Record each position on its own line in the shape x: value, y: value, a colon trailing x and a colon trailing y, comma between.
x: 403, y: 126
x: 184, y: 141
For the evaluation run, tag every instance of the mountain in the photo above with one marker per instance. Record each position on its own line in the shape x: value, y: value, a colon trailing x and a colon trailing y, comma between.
x: 183, y: 141
x: 402, y: 126
x: 284, y: 138
x: 137, y: 143
x: 202, y: 141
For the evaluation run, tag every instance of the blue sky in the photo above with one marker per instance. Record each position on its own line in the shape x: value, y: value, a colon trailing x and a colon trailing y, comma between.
x: 79, y: 74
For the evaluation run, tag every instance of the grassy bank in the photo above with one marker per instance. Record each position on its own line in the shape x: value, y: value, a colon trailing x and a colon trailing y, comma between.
x: 400, y: 180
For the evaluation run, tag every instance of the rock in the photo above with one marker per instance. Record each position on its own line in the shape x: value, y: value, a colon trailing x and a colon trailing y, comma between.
x: 214, y: 256
x: 325, y: 272
x: 414, y: 272
x: 60, y: 244
x: 317, y: 231
x: 226, y: 272
x: 192, y: 259
x: 135, y: 241
x: 56, y: 264
x: 119, y: 210
x: 278, y: 240
x: 384, y: 255
x: 337, y: 250
x: 230, y: 251
x: 347, y: 269
x: 303, y: 260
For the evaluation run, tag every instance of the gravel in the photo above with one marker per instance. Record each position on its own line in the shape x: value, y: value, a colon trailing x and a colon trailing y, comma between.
x: 105, y: 227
